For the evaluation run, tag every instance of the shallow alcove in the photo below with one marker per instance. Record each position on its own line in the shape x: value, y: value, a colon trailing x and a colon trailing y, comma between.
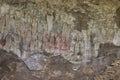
x: 60, y: 39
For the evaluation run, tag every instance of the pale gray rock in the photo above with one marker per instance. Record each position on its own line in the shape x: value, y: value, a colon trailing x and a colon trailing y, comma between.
x: 36, y: 61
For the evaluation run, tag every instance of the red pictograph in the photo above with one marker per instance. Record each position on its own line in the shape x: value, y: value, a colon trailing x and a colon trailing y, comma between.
x: 3, y: 42
x: 56, y: 41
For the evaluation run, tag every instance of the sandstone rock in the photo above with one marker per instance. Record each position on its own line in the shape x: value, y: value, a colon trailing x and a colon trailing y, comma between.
x: 80, y: 32
x: 4, y: 9
x: 116, y: 38
x: 50, y: 22
x: 37, y: 61
x: 88, y: 18
x: 88, y: 70
x: 13, y: 68
x: 110, y: 73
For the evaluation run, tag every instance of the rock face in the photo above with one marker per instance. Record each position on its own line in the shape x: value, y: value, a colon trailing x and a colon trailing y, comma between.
x: 111, y: 73
x: 82, y: 32
x: 37, y: 61
x: 13, y: 68
x: 60, y: 27
x: 46, y: 66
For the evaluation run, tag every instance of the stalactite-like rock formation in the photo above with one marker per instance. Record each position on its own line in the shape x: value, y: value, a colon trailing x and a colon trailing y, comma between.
x: 77, y: 30
x: 65, y: 28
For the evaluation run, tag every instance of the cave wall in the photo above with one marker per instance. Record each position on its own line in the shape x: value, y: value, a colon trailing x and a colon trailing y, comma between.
x: 72, y: 28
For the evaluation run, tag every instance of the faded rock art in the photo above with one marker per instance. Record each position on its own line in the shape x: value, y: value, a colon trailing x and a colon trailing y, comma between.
x: 59, y: 39
x: 75, y: 34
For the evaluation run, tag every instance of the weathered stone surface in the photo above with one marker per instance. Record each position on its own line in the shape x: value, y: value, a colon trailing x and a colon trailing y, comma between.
x: 111, y: 73
x: 59, y: 27
x: 118, y: 17
x: 56, y: 68
x: 85, y: 33
x: 45, y: 66
x: 37, y: 61
x: 13, y: 68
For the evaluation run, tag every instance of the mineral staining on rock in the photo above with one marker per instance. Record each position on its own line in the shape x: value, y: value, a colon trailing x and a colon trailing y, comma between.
x: 72, y: 29
x: 67, y: 29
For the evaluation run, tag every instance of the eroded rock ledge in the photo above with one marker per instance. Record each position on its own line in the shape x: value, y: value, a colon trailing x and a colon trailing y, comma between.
x: 13, y: 68
x: 43, y: 66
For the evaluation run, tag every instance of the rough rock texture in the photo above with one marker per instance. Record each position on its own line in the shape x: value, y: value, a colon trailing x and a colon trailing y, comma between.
x: 86, y: 33
x: 111, y: 73
x: 59, y: 27
x: 13, y: 68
